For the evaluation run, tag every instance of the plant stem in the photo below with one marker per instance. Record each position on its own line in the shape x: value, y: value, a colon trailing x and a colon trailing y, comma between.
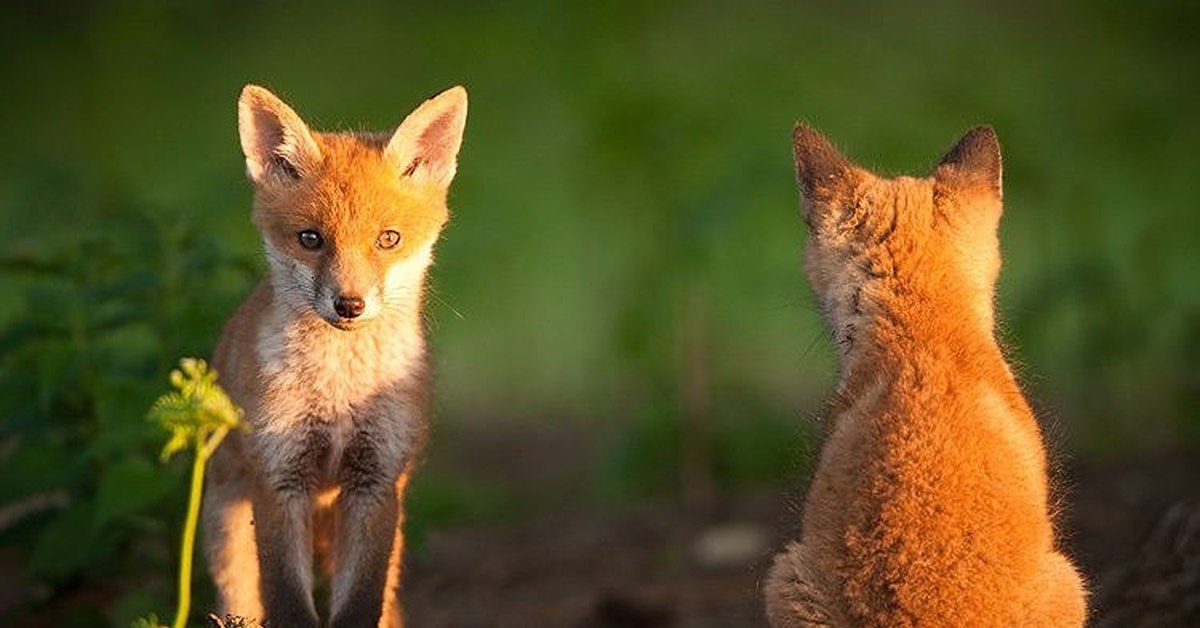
x: 203, y: 451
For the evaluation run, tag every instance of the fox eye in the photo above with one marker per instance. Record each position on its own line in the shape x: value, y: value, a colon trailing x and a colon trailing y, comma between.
x: 388, y: 239
x: 310, y: 239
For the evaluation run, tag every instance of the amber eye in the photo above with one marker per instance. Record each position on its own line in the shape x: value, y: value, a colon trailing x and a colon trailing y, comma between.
x: 310, y: 239
x: 388, y: 239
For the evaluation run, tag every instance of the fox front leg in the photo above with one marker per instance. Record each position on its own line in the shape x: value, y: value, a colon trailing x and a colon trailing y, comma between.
x: 368, y: 513
x: 284, y: 535
x: 228, y: 521
x: 283, y: 513
x: 393, y: 614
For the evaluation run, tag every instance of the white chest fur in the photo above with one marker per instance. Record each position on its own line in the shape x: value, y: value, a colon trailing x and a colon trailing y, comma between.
x: 339, y: 386
x: 309, y: 366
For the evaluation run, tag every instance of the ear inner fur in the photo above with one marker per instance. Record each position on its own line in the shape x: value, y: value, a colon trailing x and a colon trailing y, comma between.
x: 275, y: 140
x: 425, y: 145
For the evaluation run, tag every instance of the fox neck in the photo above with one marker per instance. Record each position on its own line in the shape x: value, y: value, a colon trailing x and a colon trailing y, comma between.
x: 921, y: 337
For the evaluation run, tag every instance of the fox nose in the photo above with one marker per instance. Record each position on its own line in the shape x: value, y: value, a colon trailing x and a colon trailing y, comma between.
x: 348, y: 307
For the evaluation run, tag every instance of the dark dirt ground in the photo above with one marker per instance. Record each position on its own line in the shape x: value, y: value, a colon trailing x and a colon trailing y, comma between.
x: 1132, y: 524
x: 647, y: 565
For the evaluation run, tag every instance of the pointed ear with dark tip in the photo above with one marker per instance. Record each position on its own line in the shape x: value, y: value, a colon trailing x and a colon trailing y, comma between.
x: 974, y: 162
x: 277, y: 144
x: 820, y: 169
x: 425, y: 146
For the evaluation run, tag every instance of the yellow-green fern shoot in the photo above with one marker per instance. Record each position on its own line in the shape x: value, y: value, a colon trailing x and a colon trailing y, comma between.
x: 198, y: 414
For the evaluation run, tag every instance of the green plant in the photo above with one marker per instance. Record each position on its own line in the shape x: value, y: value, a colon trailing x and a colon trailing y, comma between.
x: 198, y: 415
x: 97, y: 313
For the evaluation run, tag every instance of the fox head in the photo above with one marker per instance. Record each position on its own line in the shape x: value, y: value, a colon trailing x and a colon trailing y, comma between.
x: 924, y: 246
x: 349, y: 220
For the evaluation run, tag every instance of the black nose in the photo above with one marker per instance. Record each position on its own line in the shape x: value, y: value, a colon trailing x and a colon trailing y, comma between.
x: 348, y: 307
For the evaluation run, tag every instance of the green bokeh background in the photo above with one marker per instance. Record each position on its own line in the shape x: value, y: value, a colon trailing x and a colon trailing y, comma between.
x: 625, y: 250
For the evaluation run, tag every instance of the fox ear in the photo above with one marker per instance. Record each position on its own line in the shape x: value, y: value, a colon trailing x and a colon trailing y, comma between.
x: 974, y: 162
x: 822, y: 172
x: 277, y: 144
x: 425, y: 146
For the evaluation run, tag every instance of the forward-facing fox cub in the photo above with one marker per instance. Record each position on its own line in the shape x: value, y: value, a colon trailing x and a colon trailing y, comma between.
x: 327, y: 359
x: 929, y: 504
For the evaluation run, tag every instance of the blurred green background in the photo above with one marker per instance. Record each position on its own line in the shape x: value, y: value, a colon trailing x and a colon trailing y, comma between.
x: 624, y: 253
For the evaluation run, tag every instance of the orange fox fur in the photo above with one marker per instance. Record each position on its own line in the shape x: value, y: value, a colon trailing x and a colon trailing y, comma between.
x: 929, y: 504
x: 327, y: 358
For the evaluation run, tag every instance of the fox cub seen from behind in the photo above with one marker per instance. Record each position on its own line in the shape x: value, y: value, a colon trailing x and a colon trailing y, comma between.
x: 327, y: 359
x: 929, y: 504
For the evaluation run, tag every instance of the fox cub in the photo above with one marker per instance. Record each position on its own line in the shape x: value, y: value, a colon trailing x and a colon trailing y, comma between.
x: 327, y: 359
x: 929, y: 504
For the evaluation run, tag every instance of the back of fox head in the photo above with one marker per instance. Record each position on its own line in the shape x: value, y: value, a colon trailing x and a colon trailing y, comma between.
x: 876, y: 244
x: 349, y: 220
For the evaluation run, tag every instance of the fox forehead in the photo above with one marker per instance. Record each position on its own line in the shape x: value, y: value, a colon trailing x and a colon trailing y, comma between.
x: 353, y: 195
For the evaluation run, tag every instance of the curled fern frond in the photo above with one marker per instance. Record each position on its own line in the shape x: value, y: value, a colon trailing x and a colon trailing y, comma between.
x: 195, y: 409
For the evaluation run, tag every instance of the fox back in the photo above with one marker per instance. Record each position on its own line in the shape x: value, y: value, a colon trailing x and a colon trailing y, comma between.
x: 327, y: 357
x: 929, y: 504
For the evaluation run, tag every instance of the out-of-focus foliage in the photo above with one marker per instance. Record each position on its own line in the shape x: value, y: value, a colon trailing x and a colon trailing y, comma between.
x: 624, y: 249
x: 105, y: 310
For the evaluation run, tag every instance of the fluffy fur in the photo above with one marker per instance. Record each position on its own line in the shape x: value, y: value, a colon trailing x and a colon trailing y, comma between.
x: 336, y: 399
x: 929, y: 504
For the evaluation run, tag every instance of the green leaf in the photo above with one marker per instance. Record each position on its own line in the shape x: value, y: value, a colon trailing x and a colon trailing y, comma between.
x: 131, y: 609
x: 119, y: 408
x: 36, y: 467
x: 129, y: 487
x: 65, y: 545
x: 178, y: 442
